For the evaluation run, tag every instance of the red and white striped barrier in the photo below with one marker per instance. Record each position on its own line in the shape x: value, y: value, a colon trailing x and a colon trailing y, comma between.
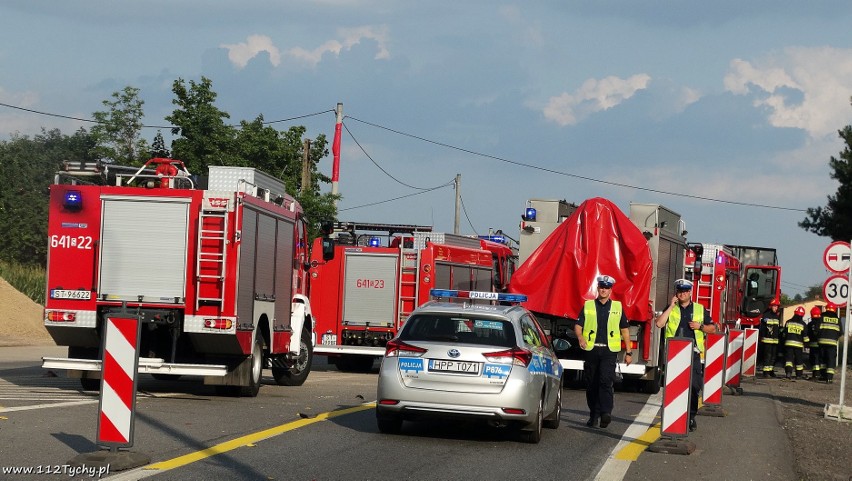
x: 735, y: 358
x: 676, y: 389
x: 750, y: 352
x: 117, y: 406
x: 714, y: 368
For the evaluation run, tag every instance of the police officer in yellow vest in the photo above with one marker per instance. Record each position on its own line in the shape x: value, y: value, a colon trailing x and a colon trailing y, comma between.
x: 601, y: 327
x: 683, y: 318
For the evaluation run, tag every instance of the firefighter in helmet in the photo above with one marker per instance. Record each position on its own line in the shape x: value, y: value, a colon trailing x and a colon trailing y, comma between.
x: 794, y: 342
x: 829, y: 332
x: 770, y: 331
x: 813, y: 343
x: 684, y: 318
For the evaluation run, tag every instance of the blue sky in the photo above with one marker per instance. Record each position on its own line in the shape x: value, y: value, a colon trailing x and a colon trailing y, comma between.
x: 738, y: 101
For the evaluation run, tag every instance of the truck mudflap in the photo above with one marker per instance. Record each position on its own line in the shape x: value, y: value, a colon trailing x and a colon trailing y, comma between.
x: 335, y: 349
x: 633, y: 369
x: 147, y: 365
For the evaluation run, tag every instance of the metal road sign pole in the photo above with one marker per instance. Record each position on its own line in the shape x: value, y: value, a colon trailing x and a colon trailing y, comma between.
x: 843, y: 367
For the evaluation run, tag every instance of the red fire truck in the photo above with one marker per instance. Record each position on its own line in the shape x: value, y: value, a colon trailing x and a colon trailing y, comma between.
x: 643, y: 252
x: 217, y: 275
x: 715, y: 271
x: 760, y: 281
x: 366, y: 278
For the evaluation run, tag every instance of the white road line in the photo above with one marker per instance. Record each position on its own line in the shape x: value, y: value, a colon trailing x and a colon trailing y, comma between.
x: 47, y: 406
x: 615, y: 469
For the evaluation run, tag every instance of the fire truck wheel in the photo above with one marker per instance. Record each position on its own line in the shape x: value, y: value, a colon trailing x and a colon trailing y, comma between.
x: 298, y: 372
x: 652, y: 386
x: 256, y: 370
x: 89, y: 384
x: 354, y: 363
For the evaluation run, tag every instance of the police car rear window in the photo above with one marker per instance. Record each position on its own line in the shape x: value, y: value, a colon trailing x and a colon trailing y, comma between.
x: 460, y: 330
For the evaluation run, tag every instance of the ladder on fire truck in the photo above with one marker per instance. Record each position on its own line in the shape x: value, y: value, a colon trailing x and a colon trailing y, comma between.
x: 705, y: 294
x: 409, y: 281
x: 210, y: 264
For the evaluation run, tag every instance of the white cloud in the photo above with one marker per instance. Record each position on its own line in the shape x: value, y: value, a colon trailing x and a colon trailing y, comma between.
x: 349, y: 37
x: 821, y: 74
x: 240, y: 53
x: 593, y: 96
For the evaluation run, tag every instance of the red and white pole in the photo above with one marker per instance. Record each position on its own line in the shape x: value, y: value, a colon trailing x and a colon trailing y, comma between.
x: 335, y: 150
x: 735, y: 359
x: 750, y: 352
x: 117, y: 407
x: 676, y: 390
x: 714, y: 373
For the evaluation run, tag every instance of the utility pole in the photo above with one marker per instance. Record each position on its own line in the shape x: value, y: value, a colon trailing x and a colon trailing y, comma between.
x: 335, y: 150
x: 306, y: 167
x: 458, y: 204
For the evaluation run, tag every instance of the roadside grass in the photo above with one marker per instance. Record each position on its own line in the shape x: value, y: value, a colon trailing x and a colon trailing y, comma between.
x: 27, y: 279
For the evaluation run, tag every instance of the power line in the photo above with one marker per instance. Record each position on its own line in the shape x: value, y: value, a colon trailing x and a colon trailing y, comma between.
x: 379, y: 166
x: 464, y: 209
x: 48, y: 114
x: 396, y: 198
x: 576, y: 176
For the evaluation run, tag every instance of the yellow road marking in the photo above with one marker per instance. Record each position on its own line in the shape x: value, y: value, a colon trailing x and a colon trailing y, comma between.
x: 250, y: 439
x: 632, y: 451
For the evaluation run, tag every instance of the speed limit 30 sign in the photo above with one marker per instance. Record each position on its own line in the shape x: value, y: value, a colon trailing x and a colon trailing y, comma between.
x: 836, y: 290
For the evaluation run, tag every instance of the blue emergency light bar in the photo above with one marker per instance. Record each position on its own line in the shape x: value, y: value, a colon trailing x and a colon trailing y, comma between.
x: 73, y: 200
x: 500, y: 239
x: 490, y: 296
x: 529, y: 214
x: 375, y: 242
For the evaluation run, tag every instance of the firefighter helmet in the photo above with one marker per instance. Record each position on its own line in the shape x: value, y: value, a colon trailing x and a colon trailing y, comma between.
x: 774, y: 302
x: 830, y: 306
x: 816, y: 311
x: 800, y: 311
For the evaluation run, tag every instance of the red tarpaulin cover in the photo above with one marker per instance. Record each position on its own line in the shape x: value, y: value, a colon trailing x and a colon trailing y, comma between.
x: 597, y: 239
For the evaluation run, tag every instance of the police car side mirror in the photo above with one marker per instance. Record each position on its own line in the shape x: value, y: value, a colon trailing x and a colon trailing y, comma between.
x: 327, y: 249
x: 560, y: 344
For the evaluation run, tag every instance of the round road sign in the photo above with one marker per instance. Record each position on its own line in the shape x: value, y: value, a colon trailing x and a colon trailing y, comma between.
x: 837, y: 257
x: 836, y: 290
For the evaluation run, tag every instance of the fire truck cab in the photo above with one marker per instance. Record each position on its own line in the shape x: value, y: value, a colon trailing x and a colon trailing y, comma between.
x: 366, y: 278
x: 217, y: 275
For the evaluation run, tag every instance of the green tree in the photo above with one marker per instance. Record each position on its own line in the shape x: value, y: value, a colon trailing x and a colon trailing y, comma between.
x: 27, y: 168
x: 203, y: 138
x: 158, y: 147
x: 833, y: 219
x: 119, y: 129
x: 282, y: 154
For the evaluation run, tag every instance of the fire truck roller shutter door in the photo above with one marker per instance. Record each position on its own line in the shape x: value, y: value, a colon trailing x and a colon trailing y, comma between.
x: 284, y: 260
x: 144, y: 248
x: 370, y: 289
x: 246, y: 274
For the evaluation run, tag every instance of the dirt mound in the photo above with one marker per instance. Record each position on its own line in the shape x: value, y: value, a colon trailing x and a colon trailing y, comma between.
x: 21, y: 322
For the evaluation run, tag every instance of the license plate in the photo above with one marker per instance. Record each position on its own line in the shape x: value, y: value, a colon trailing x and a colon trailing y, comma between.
x: 66, y: 294
x: 329, y: 339
x: 460, y: 367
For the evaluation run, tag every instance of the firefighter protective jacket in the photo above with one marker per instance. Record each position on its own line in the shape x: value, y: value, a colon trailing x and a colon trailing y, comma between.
x: 795, y: 332
x: 770, y: 327
x: 829, y: 329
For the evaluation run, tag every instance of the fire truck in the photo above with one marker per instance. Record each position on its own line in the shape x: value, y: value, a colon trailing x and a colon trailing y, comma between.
x: 366, y: 278
x: 643, y: 252
x: 715, y: 271
x: 215, y: 268
x: 760, y: 281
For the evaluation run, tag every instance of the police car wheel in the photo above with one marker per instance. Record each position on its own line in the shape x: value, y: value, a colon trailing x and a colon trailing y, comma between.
x: 533, y: 436
x: 553, y: 421
x: 389, y: 424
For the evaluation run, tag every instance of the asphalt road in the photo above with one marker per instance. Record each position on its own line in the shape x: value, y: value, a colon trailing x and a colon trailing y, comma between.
x: 323, y: 430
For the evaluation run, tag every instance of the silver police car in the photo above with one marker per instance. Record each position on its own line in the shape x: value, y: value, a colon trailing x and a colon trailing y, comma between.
x: 462, y: 359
